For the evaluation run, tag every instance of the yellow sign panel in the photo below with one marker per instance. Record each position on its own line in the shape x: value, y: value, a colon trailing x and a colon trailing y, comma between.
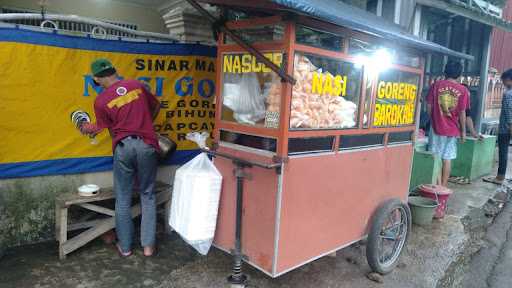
x: 247, y: 63
x: 395, y: 104
x: 327, y: 84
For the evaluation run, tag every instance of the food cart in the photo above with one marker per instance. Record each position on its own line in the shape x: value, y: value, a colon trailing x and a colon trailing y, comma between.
x: 316, y: 109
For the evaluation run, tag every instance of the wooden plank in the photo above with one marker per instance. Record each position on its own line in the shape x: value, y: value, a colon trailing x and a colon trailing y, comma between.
x: 63, y: 231
x: 85, y: 217
x: 83, y: 225
x: 98, y: 209
x: 57, y: 222
x: 68, y: 199
x: 87, y: 236
x: 105, y: 225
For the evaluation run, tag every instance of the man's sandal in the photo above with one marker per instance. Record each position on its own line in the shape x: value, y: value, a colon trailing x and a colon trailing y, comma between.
x: 152, y: 254
x: 492, y: 180
x: 461, y: 180
x: 121, y: 253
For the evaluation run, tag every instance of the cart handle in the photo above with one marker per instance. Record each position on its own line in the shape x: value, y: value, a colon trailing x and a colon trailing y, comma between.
x: 241, y: 161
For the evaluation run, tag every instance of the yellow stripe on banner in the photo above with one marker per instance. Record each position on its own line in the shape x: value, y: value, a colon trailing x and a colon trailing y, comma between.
x: 40, y: 86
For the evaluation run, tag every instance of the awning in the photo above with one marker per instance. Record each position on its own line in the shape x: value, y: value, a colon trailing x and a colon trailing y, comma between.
x: 339, y: 13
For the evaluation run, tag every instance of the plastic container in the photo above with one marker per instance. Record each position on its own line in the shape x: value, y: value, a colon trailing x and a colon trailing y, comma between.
x: 438, y: 193
x: 422, y: 209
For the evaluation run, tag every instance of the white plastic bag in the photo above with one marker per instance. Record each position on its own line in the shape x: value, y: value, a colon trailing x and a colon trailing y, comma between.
x: 195, y: 199
x: 243, y: 95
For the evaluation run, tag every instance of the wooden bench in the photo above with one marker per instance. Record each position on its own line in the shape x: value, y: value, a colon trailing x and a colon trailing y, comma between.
x: 96, y: 227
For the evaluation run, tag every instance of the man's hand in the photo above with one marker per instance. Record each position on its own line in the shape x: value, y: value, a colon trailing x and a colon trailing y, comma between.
x: 89, y: 129
x: 462, y: 138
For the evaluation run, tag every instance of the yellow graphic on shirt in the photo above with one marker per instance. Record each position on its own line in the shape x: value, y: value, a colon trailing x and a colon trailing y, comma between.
x: 448, y: 99
x: 125, y: 99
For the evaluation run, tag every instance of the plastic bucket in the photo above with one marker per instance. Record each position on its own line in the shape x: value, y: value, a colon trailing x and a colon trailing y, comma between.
x: 438, y: 193
x: 422, y: 209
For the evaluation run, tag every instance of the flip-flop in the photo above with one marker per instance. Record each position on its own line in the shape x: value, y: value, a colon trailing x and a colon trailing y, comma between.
x: 121, y: 253
x: 152, y: 254
x: 461, y: 180
x: 492, y: 180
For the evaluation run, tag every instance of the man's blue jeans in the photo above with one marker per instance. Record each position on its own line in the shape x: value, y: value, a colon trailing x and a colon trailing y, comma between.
x: 134, y: 159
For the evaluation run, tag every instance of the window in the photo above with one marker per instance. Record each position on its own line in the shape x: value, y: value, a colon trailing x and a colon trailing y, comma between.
x: 395, y: 104
x: 361, y: 141
x: 310, y: 145
x: 360, y: 47
x: 251, y: 92
x: 399, y: 137
x: 326, y: 95
x: 388, y: 10
x: 320, y: 39
x: 256, y: 142
x: 407, y: 59
x: 373, y: 7
x: 263, y: 33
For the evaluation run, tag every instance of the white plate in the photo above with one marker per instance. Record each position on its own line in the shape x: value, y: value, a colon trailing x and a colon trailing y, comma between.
x: 88, y: 190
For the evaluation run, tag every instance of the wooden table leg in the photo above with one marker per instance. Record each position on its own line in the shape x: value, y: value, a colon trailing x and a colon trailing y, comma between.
x: 57, y: 224
x: 63, y: 230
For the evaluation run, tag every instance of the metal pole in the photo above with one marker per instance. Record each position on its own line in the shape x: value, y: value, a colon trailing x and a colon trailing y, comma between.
x: 237, y: 277
x: 484, y: 82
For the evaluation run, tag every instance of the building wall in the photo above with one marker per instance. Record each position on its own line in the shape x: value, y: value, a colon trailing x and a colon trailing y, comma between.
x: 147, y: 19
x: 501, y: 58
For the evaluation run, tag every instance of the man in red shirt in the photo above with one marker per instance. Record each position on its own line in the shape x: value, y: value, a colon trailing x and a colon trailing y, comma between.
x: 447, y: 102
x: 127, y: 109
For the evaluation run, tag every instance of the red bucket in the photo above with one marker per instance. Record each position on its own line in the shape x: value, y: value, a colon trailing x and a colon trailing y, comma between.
x: 438, y: 193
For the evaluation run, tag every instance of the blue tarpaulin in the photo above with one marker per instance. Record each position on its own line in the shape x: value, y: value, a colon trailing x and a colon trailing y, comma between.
x: 339, y: 13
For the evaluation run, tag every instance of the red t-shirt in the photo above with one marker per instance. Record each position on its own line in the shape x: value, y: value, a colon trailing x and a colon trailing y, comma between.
x: 448, y: 99
x: 126, y: 109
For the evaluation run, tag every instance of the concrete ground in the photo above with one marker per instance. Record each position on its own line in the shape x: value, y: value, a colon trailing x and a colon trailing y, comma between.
x: 491, y: 266
x: 434, y: 257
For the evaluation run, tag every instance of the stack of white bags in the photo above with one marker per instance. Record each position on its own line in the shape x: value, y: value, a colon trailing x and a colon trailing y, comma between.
x: 195, y: 198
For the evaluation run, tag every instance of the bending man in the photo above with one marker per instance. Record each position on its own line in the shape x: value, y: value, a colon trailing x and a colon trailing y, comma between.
x: 127, y: 109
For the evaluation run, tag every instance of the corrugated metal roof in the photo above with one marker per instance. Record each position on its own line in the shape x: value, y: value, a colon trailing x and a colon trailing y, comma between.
x: 342, y: 14
x: 501, y: 43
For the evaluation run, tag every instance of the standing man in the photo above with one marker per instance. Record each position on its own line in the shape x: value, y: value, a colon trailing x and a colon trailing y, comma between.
x: 127, y: 109
x: 447, y: 102
x: 505, y: 130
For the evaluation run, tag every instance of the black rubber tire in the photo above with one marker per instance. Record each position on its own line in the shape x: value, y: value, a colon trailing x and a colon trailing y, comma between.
x: 377, y: 221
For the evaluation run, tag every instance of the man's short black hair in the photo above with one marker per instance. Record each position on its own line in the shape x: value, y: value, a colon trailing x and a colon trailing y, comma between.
x: 106, y: 73
x: 453, y: 69
x: 507, y: 75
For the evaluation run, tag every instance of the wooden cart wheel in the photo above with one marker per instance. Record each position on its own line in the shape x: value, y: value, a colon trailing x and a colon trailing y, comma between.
x: 387, y: 237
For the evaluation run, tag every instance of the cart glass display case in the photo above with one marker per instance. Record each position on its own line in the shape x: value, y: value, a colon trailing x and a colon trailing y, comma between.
x: 327, y: 93
x: 251, y: 92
